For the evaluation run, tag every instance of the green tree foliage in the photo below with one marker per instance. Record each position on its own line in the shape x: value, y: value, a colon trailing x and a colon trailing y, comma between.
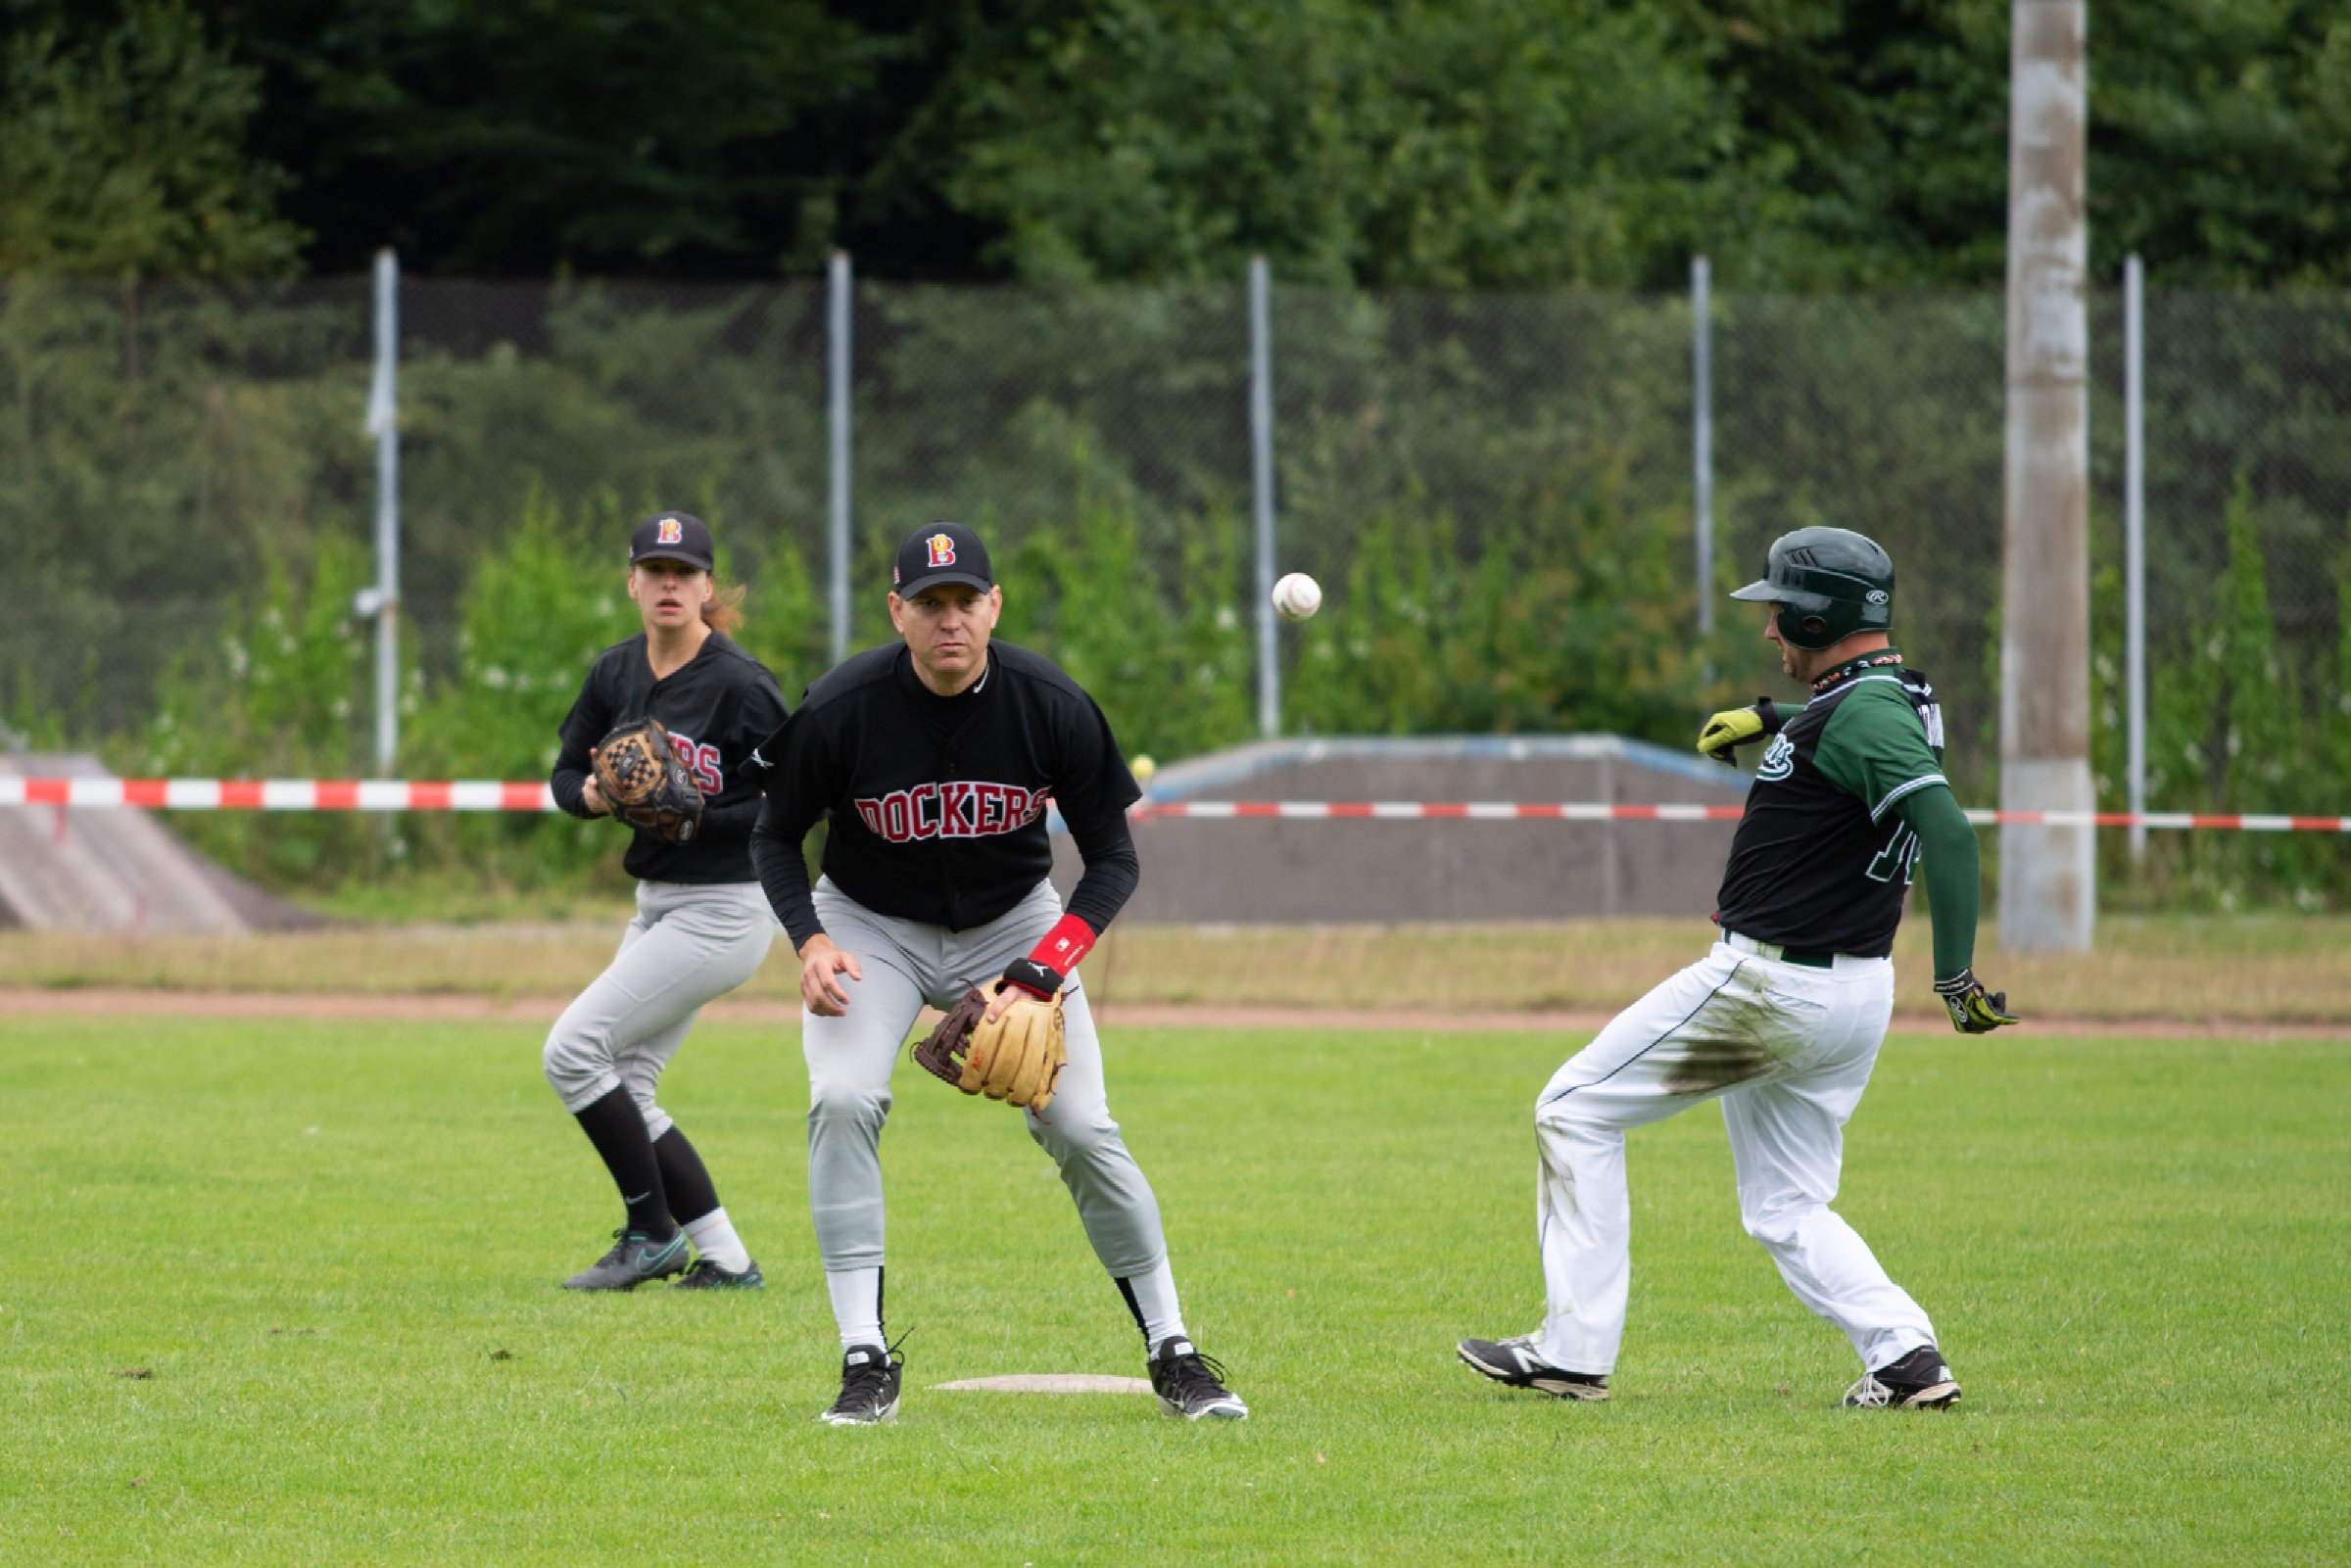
x: 1804, y: 144
x: 278, y: 697
x: 2220, y: 140
x: 1510, y: 142
x: 124, y: 156
x: 681, y: 137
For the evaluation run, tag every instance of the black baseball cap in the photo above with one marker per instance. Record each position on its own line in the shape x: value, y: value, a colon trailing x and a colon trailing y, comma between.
x: 940, y: 553
x: 673, y: 537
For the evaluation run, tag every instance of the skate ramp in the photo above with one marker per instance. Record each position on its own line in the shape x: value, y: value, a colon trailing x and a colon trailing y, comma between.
x: 1269, y: 871
x: 118, y: 869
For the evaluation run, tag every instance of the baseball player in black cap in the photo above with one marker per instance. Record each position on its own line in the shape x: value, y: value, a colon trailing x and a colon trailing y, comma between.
x: 701, y: 927
x: 935, y: 756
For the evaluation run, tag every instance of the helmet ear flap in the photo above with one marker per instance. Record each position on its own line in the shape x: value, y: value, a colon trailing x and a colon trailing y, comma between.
x: 1814, y: 627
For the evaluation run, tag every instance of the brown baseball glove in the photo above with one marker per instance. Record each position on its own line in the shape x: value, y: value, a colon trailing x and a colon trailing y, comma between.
x: 646, y: 784
x: 1018, y: 1057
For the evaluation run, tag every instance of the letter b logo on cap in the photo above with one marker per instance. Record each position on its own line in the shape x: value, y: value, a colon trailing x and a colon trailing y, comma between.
x: 671, y: 532
x: 942, y: 549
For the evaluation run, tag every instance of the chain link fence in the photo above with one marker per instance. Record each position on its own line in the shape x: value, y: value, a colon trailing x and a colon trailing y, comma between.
x: 1495, y: 489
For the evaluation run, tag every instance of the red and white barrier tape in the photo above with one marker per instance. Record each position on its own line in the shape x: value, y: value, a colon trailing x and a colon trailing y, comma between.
x: 485, y: 795
x: 278, y: 795
x: 1596, y: 811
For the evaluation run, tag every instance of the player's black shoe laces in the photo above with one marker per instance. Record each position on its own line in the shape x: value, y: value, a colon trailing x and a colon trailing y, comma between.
x: 864, y: 1387
x: 1192, y: 1376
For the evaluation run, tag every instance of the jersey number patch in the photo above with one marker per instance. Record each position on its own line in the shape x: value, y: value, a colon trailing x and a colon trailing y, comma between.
x: 1900, y: 854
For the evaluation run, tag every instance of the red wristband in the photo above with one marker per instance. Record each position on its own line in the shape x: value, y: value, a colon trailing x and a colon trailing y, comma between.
x: 1069, y: 941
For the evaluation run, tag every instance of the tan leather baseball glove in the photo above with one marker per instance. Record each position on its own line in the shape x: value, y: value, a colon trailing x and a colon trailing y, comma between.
x: 1018, y: 1057
x: 646, y: 784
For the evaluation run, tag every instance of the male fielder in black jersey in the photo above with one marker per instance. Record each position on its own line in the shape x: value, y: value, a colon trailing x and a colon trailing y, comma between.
x: 1783, y: 1019
x: 935, y: 757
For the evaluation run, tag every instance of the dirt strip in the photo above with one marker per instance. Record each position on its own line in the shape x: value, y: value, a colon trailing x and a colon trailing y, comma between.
x: 406, y: 1009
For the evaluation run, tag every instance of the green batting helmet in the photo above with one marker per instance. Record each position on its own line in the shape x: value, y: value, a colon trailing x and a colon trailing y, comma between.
x: 1828, y: 583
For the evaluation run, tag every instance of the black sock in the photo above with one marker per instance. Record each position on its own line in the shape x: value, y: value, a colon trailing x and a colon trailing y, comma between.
x: 616, y: 1128
x: 683, y: 1179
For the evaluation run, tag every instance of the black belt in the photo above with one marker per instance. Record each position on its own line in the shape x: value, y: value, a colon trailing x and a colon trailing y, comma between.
x: 1799, y: 957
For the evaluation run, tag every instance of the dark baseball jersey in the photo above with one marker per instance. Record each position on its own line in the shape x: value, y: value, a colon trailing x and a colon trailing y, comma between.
x: 938, y: 804
x: 1821, y: 861
x: 717, y: 708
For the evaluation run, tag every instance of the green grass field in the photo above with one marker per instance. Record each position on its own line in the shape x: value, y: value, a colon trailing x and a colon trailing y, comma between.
x: 286, y: 1293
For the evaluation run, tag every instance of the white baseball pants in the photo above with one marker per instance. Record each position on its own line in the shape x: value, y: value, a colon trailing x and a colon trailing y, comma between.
x: 1788, y: 1049
x: 907, y: 963
x: 687, y: 945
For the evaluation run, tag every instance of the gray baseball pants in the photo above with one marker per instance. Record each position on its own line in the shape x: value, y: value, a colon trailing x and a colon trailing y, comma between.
x: 908, y: 964
x: 688, y: 944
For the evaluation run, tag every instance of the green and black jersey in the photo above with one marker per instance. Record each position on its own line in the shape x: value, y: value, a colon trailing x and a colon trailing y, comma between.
x: 1824, y: 854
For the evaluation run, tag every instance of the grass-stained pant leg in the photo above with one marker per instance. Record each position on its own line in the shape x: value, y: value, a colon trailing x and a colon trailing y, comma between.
x: 1793, y: 1046
x: 687, y: 945
x: 1788, y: 1146
x: 850, y: 1062
x: 1115, y: 1202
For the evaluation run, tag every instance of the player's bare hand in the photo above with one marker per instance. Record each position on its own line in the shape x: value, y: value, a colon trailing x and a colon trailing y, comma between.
x: 1973, y: 1010
x: 820, y: 963
x: 591, y: 793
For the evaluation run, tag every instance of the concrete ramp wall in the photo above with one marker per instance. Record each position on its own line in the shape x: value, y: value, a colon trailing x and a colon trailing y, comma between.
x: 1259, y: 871
x: 117, y: 868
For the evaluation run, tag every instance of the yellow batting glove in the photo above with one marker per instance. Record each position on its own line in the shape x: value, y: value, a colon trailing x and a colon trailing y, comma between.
x: 1973, y: 1010
x: 1733, y: 727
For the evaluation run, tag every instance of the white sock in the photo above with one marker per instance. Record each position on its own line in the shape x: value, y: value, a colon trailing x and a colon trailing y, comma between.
x: 1154, y: 1297
x: 713, y: 1237
x: 856, y: 1305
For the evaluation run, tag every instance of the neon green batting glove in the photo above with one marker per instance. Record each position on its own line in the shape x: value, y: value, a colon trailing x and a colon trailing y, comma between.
x: 1733, y: 727
x: 1973, y: 1010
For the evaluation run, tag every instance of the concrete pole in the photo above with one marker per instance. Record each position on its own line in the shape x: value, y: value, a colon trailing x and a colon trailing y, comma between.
x: 837, y: 320
x: 2049, y: 875
x: 1261, y: 470
x: 2135, y: 538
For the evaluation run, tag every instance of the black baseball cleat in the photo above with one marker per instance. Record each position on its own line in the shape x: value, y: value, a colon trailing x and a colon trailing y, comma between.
x: 1191, y: 1385
x: 869, y: 1387
x: 707, y: 1275
x: 634, y: 1257
x: 1917, y: 1381
x: 1513, y: 1362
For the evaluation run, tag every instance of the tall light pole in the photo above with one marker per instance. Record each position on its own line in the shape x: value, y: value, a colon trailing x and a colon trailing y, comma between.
x: 2049, y: 875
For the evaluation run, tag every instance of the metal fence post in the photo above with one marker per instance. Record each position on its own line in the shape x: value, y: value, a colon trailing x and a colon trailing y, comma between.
x: 2134, y: 540
x: 1260, y: 441
x: 838, y: 402
x: 382, y: 601
x: 1702, y: 440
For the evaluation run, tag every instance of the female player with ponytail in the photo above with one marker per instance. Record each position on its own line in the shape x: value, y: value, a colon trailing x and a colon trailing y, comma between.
x: 702, y: 923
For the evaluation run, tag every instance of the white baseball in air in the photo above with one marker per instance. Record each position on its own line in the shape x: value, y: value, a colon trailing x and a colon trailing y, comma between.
x: 1297, y: 596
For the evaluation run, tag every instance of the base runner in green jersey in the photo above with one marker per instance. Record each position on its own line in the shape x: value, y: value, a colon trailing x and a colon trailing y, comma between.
x: 1782, y: 1019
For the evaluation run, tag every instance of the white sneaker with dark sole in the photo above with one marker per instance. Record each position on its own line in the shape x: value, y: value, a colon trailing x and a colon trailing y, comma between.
x: 1513, y: 1362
